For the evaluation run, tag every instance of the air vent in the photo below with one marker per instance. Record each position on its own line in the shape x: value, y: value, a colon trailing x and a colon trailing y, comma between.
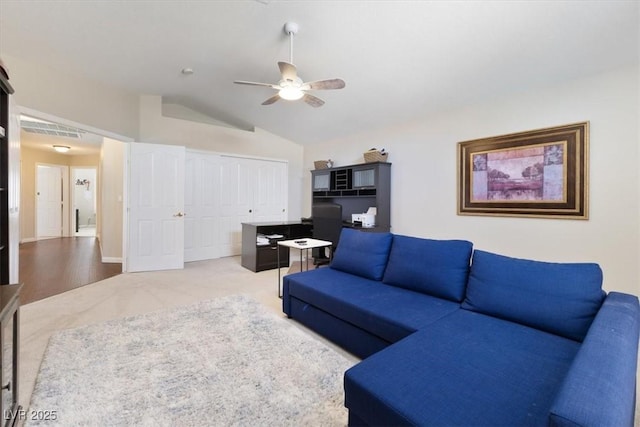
x: 46, y: 128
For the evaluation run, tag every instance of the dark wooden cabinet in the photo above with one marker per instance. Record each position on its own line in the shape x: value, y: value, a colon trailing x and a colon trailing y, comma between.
x: 262, y: 254
x: 356, y: 188
x: 9, y: 351
x: 9, y: 301
x: 5, y: 91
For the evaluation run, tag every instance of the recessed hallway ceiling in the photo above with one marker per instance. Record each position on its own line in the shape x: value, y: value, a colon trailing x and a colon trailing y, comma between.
x: 43, y: 135
x: 400, y: 60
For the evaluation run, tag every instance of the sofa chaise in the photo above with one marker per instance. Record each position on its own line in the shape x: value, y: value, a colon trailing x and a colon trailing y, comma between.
x: 453, y: 336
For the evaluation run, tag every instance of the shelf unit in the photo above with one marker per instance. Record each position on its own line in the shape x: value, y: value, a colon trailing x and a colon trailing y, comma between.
x: 356, y: 188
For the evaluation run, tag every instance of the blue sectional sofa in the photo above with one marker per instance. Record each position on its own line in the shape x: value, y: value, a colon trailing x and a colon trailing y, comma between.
x: 452, y: 336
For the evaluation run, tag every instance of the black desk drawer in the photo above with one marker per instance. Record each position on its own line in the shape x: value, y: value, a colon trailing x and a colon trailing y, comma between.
x: 267, y: 257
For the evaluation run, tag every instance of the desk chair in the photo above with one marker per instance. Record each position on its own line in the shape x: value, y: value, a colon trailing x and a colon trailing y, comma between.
x: 327, y: 225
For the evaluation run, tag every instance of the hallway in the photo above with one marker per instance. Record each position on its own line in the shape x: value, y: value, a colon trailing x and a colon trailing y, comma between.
x: 50, y: 267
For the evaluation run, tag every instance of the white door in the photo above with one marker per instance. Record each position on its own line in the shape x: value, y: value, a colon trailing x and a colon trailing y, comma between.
x: 251, y: 190
x: 201, y: 199
x: 49, y: 201
x: 156, y: 207
x: 270, y: 198
x: 236, y: 202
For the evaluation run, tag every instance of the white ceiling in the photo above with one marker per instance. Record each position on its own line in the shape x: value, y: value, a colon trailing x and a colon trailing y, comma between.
x: 46, y: 142
x: 400, y: 59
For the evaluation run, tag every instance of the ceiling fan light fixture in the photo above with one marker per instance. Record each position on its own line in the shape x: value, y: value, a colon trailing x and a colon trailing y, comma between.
x: 290, y: 93
x: 291, y: 87
x: 61, y: 148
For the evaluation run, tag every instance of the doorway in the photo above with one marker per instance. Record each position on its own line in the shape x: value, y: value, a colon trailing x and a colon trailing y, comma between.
x: 84, y: 201
x: 47, y: 265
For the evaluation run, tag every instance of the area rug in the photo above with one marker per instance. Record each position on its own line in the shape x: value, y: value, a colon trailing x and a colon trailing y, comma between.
x: 227, y: 362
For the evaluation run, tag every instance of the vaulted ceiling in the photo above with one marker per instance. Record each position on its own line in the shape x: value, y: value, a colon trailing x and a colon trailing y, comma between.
x: 400, y: 59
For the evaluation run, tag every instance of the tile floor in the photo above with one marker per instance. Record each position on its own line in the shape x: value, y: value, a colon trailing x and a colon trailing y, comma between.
x: 86, y: 231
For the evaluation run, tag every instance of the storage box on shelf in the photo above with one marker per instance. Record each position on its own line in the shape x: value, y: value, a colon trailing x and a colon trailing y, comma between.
x: 374, y: 155
x: 322, y: 164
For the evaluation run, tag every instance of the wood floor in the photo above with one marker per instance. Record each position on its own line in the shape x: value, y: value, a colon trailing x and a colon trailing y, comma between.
x: 52, y: 266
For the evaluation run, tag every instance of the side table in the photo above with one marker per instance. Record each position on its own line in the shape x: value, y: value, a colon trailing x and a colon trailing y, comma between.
x: 302, y: 245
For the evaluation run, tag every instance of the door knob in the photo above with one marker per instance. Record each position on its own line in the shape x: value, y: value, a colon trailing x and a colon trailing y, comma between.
x: 179, y: 215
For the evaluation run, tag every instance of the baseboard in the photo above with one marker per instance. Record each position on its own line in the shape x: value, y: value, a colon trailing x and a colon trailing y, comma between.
x: 108, y: 259
x: 36, y: 239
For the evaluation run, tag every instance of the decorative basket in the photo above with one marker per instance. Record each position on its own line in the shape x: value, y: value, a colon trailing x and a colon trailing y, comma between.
x: 374, y: 155
x: 322, y: 164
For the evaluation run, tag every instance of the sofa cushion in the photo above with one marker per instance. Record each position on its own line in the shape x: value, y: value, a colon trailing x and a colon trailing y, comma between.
x: 362, y: 253
x: 436, y: 267
x: 465, y: 369
x: 554, y: 297
x: 386, y: 311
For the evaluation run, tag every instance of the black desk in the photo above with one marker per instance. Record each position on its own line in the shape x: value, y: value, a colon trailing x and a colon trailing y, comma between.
x: 257, y: 257
x: 376, y: 229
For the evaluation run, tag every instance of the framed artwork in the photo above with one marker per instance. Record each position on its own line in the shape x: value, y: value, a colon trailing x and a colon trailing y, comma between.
x: 539, y: 173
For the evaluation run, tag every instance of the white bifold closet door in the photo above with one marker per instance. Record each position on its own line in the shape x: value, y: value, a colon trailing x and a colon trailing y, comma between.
x: 271, y: 194
x: 251, y: 190
x: 202, y: 206
x: 190, y: 205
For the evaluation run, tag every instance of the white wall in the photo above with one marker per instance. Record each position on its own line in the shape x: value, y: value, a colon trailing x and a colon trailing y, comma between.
x: 111, y: 194
x: 423, y: 152
x: 424, y: 186
x: 72, y: 97
x: 157, y: 129
x: 81, y: 101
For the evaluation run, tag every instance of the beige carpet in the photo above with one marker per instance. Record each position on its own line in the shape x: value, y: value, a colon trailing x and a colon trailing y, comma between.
x: 227, y: 361
x: 133, y: 294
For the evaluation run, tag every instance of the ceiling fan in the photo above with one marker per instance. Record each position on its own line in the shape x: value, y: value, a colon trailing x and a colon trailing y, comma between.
x: 291, y: 87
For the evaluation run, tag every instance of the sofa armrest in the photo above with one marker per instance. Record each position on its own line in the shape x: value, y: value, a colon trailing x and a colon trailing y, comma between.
x: 599, y: 389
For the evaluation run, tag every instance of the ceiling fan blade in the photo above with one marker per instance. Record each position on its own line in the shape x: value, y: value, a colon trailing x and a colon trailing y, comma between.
x: 288, y: 71
x: 271, y: 100
x: 326, y: 84
x: 314, y: 101
x: 240, y: 82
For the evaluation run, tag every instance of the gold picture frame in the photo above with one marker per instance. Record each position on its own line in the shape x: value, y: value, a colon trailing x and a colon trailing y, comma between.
x: 540, y: 173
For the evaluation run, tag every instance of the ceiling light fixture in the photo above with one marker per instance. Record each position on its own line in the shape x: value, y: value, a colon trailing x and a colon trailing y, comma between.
x: 290, y: 93
x: 61, y: 148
